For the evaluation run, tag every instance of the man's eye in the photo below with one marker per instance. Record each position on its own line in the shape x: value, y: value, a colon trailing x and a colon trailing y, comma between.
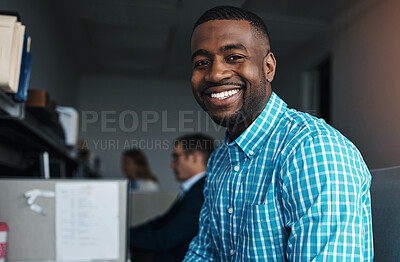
x: 234, y: 58
x: 201, y: 63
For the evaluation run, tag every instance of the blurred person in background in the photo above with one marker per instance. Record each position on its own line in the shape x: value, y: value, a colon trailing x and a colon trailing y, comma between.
x: 136, y: 168
x: 166, y: 238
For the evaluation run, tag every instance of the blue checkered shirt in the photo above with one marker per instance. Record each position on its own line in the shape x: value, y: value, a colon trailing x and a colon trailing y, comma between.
x: 290, y: 188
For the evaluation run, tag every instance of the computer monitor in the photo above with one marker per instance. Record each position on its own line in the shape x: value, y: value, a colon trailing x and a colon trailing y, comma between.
x: 58, y: 219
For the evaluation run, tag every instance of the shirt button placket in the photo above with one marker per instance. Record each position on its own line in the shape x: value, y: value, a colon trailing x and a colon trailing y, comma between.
x: 230, y: 210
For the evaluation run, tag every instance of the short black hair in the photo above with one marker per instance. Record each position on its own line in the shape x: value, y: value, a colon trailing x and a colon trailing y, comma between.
x: 196, y: 142
x: 234, y: 13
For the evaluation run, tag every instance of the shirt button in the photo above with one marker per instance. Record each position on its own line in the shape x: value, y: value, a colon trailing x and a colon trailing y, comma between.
x: 251, y: 152
x: 230, y: 210
x: 232, y: 252
x: 236, y: 168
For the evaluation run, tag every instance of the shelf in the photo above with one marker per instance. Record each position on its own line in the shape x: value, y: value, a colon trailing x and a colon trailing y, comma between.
x: 30, y: 133
x: 24, y: 138
x: 9, y: 107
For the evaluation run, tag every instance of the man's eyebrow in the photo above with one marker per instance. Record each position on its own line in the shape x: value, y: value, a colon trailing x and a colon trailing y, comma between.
x: 200, y: 52
x: 233, y: 46
x: 222, y: 49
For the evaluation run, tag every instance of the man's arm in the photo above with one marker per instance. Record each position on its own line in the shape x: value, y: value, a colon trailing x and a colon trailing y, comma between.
x: 325, y: 194
x: 201, y: 247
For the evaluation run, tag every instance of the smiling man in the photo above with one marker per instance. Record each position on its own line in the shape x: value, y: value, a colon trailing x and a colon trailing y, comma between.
x: 284, y: 186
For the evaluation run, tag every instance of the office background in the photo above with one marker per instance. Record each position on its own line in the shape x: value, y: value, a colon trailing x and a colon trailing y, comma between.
x: 115, y: 59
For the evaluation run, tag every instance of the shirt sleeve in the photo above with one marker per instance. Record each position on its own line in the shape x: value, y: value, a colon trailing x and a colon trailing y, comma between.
x: 326, y: 201
x: 201, y: 249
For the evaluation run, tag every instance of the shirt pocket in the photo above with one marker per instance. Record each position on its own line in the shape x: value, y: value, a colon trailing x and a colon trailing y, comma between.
x: 260, y: 239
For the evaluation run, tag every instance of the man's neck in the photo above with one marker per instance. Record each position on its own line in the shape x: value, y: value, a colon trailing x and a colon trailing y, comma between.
x: 236, y: 130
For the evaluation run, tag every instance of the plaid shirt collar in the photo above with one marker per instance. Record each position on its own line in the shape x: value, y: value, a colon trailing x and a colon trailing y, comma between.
x: 251, y: 140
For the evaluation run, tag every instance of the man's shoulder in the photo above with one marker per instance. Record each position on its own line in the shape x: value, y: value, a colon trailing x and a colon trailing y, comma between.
x: 194, y: 197
x: 302, y: 128
x: 200, y: 182
x: 198, y: 186
x: 303, y: 122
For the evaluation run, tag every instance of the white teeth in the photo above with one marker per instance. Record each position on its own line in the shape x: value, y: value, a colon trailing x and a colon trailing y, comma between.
x: 225, y: 94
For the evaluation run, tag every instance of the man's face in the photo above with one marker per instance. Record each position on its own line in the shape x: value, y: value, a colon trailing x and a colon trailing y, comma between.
x: 181, y: 164
x: 229, y: 73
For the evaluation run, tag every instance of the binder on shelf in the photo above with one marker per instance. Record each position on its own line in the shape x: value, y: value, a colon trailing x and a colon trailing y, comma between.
x: 11, y: 45
x: 11, y: 13
x: 16, y: 57
x: 25, y: 71
x: 7, y: 26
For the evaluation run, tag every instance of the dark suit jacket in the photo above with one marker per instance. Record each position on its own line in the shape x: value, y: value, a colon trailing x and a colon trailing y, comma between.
x: 169, y: 235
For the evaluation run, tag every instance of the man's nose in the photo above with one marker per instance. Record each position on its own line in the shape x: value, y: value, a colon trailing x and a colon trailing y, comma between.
x: 218, y: 71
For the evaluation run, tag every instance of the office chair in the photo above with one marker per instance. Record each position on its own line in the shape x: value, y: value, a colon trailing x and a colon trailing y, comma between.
x: 385, y: 204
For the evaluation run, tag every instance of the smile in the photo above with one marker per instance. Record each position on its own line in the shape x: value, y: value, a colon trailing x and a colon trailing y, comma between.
x: 224, y: 94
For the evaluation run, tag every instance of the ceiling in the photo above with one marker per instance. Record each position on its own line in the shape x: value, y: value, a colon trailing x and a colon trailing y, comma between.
x: 151, y: 37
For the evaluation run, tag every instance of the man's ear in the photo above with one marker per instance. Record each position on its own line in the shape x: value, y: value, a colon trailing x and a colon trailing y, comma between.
x: 269, y: 66
x: 195, y: 156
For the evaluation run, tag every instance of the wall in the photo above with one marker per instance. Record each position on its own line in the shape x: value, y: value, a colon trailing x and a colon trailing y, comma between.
x: 366, y: 73
x: 365, y: 49
x: 289, y: 73
x: 52, y: 67
x: 118, y: 113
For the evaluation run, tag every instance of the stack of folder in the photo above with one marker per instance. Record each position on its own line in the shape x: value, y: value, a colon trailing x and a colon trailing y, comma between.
x: 15, y: 57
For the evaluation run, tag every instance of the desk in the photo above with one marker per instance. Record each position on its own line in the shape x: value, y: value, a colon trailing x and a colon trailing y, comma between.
x: 147, y: 205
